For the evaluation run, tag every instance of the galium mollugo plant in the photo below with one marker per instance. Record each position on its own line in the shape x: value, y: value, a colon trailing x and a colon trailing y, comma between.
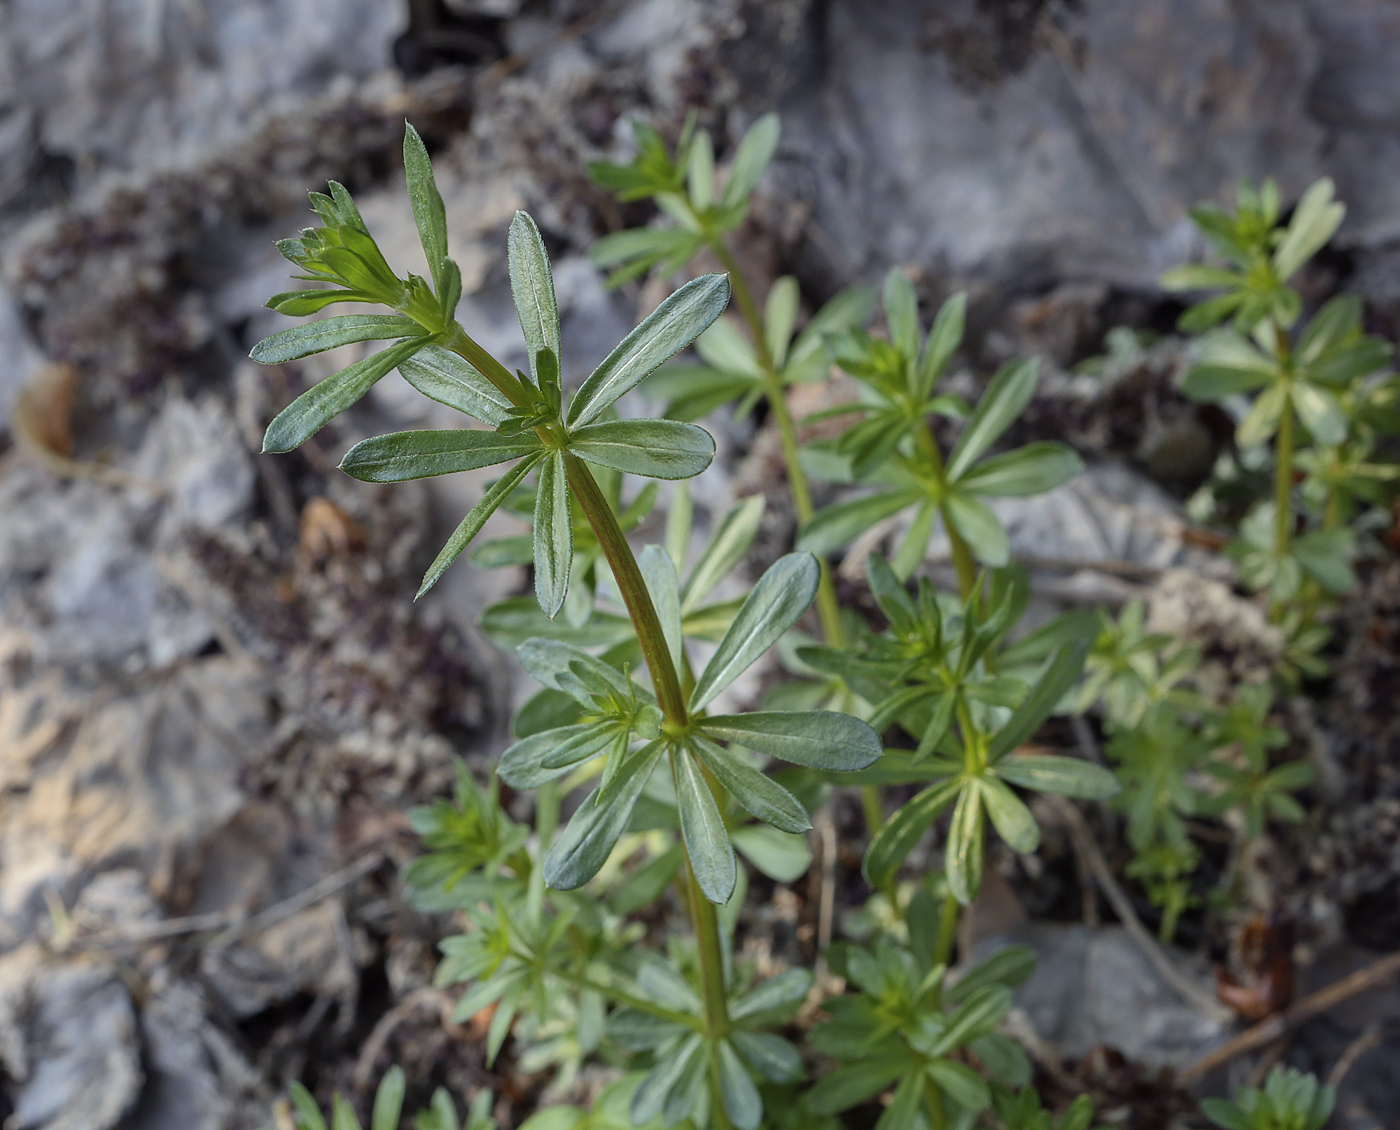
x: 631, y: 732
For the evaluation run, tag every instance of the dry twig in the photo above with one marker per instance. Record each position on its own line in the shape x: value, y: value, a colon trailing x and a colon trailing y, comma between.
x: 1373, y: 976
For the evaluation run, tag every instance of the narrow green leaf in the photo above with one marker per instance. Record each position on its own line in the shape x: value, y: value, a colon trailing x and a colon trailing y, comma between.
x: 1008, y: 967
x: 658, y: 449
x: 300, y: 303
x: 902, y: 314
x: 1225, y: 364
x: 966, y: 846
x: 343, y: 1115
x: 400, y: 456
x: 904, y: 1111
x: 1065, y: 776
x: 650, y: 1095
x: 308, y: 1113
x: 659, y: 572
x: 1006, y: 397
x: 782, y: 856
x: 1061, y: 672
x: 779, y: 316
x: 476, y: 518
x: 740, y: 1096
x: 329, y: 333
x: 666, y: 331
x: 532, y: 286
x: 943, y: 341
x: 428, y: 210
x: 589, y: 837
x: 897, y: 837
x: 1320, y: 412
x: 1028, y: 470
x: 843, y: 1088
x: 700, y: 172
x: 980, y: 528
x: 771, y: 1056
x: 778, y: 997
x: 839, y: 525
x: 820, y: 739
x: 1315, y: 219
x: 702, y: 827
x: 442, y: 375
x: 912, y: 550
x: 782, y: 594
x: 751, y: 159
x: 388, y: 1100
x: 1009, y: 815
x: 759, y: 794
x: 961, y: 1084
x: 726, y: 548
x: 679, y: 523
x: 1193, y: 276
x: 554, y: 534
x: 322, y: 402
x: 522, y: 765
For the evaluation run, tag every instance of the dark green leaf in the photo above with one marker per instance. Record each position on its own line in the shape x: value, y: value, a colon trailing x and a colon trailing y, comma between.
x: 329, y: 333
x: 771, y: 1056
x: 843, y: 1088
x: 554, y: 534
x: 961, y: 1084
x: 1009, y: 966
x: 668, y: 329
x: 318, y: 405
x: 706, y: 839
x: 388, y: 1100
x: 1011, y: 818
x: 532, y: 285
x: 964, y: 852
x: 1226, y: 364
x: 476, y: 518
x: 782, y: 594
x: 658, y: 449
x: 522, y: 766
x: 758, y: 794
x: 1032, y: 469
x: 741, y: 1101
x: 399, y: 456
x: 449, y: 379
x: 1067, y: 776
x: 897, y: 837
x: 428, y: 208
x: 821, y: 739
x: 1061, y: 673
x: 1006, y: 397
x: 838, y: 525
x: 980, y: 528
x: 590, y: 835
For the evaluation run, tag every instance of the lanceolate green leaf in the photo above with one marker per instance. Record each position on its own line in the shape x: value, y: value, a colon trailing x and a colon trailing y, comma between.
x: 1032, y: 469
x: 428, y: 208
x: 449, y: 379
x: 741, y: 1099
x: 821, y: 739
x: 782, y: 594
x: 1314, y: 221
x: 706, y: 840
x: 1006, y: 397
x: 760, y: 795
x: 898, y: 835
x: 532, y: 285
x: 981, y: 528
x: 659, y: 572
x: 838, y: 525
x: 476, y: 518
x: 328, y: 333
x: 522, y: 765
x: 964, y: 852
x: 554, y: 534
x: 666, y: 331
x: 751, y: 158
x: 1011, y: 818
x: 726, y: 549
x: 300, y: 303
x: 318, y: 405
x: 943, y: 340
x: 590, y: 835
x: 1067, y: 776
x: 1061, y: 673
x: 658, y: 449
x: 399, y: 456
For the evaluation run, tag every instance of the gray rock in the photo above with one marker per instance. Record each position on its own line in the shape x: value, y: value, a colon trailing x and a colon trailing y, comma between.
x: 69, y: 1040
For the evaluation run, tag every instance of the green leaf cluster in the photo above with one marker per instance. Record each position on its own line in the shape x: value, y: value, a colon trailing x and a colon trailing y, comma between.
x: 1289, y: 1100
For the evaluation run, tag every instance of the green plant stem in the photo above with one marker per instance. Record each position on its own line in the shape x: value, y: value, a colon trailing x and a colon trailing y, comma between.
x: 1283, y: 481
x: 633, y: 588
x: 963, y: 561
x: 668, y: 695
x: 460, y: 343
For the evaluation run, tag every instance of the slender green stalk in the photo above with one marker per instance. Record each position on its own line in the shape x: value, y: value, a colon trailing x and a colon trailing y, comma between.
x: 633, y: 588
x: 1283, y: 481
x: 466, y: 348
x: 963, y: 561
x: 673, y: 705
